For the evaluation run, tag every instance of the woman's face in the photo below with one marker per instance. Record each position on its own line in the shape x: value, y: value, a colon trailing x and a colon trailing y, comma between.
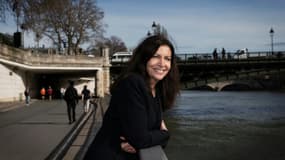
x: 159, y: 65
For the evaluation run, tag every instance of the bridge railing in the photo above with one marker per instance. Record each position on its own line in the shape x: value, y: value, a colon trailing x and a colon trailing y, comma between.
x: 207, y: 57
x: 229, y: 55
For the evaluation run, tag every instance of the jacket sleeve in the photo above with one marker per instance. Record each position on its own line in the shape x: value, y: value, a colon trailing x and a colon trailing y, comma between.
x: 132, y: 103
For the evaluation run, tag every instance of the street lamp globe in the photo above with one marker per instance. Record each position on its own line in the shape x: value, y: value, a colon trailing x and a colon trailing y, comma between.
x: 153, y: 24
x: 154, y: 27
x: 271, y: 32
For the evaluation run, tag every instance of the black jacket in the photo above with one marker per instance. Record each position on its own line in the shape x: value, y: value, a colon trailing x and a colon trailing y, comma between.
x: 71, y: 94
x: 134, y: 114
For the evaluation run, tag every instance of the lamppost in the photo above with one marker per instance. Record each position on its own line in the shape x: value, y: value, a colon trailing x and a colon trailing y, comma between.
x: 154, y: 27
x: 38, y: 37
x: 157, y: 29
x: 271, y: 32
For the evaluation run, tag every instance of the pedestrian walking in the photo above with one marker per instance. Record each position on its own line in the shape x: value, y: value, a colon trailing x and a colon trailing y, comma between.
x: 50, y: 92
x: 27, y: 96
x: 43, y: 93
x: 86, y: 98
x: 71, y: 98
x: 62, y: 91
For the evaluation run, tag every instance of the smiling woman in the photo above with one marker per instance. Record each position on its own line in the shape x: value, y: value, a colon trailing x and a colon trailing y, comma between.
x: 134, y: 120
x: 158, y: 66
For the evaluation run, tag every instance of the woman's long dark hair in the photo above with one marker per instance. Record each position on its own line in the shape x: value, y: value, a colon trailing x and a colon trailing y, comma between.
x: 169, y: 85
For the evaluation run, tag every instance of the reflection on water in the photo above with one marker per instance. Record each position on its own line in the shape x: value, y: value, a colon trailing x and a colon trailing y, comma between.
x: 221, y: 125
x: 252, y: 106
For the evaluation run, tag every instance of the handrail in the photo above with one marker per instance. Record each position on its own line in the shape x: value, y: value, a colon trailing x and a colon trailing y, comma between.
x: 60, y: 150
x: 152, y: 153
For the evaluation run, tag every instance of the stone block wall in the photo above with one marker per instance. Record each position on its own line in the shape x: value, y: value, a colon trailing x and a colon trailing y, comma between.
x: 12, y: 84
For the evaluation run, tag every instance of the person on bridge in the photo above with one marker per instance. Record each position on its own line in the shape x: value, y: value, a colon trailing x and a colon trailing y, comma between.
x: 86, y: 98
x: 215, y: 54
x: 223, y: 53
x: 71, y: 98
x: 134, y: 119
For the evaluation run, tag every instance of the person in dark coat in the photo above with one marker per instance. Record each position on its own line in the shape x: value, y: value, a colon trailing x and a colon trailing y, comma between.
x: 133, y: 120
x: 86, y: 98
x: 71, y: 98
x: 27, y: 96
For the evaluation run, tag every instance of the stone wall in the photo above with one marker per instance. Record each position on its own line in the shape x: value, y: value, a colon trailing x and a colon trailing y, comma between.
x: 11, y: 84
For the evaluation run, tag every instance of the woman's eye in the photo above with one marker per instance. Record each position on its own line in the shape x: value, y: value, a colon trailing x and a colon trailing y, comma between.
x: 168, y: 58
x: 156, y: 55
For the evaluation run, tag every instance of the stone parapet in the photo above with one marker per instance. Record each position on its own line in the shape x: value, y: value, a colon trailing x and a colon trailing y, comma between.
x: 38, y: 59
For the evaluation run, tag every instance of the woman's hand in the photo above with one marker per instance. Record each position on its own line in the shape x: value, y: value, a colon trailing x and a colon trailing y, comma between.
x: 125, y: 146
x: 163, y: 126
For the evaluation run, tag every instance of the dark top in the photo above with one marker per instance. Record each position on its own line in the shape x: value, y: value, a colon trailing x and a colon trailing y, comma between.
x: 71, y: 95
x: 26, y: 93
x: 49, y: 91
x: 134, y: 114
x: 86, y: 94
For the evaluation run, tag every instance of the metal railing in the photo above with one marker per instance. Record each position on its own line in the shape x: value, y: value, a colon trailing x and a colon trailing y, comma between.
x: 208, y: 57
x: 152, y: 153
x: 229, y: 55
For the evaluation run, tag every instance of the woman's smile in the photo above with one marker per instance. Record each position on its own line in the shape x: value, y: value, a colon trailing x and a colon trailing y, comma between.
x: 159, y: 65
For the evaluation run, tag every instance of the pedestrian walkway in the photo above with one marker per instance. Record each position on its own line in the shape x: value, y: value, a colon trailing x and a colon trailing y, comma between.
x: 7, y: 106
x: 33, y: 132
x: 79, y: 147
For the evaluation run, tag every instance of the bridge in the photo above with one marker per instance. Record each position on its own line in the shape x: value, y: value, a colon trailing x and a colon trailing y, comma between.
x: 203, y: 71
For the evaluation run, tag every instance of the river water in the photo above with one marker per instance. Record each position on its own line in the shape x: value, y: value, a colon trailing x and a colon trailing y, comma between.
x: 207, y: 125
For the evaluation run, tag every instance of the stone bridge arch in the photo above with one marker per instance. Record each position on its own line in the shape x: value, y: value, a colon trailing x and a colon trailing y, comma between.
x: 236, y: 84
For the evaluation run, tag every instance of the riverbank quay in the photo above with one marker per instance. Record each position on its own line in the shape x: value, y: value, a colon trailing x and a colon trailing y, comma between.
x: 33, y: 132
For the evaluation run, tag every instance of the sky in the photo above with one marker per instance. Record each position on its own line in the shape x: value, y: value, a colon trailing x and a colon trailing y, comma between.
x: 196, y: 26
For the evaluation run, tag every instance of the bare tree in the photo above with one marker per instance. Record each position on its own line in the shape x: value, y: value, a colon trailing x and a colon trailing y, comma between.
x: 68, y: 22
x: 87, y: 21
x: 4, y: 8
x: 10, y: 6
x: 115, y: 44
